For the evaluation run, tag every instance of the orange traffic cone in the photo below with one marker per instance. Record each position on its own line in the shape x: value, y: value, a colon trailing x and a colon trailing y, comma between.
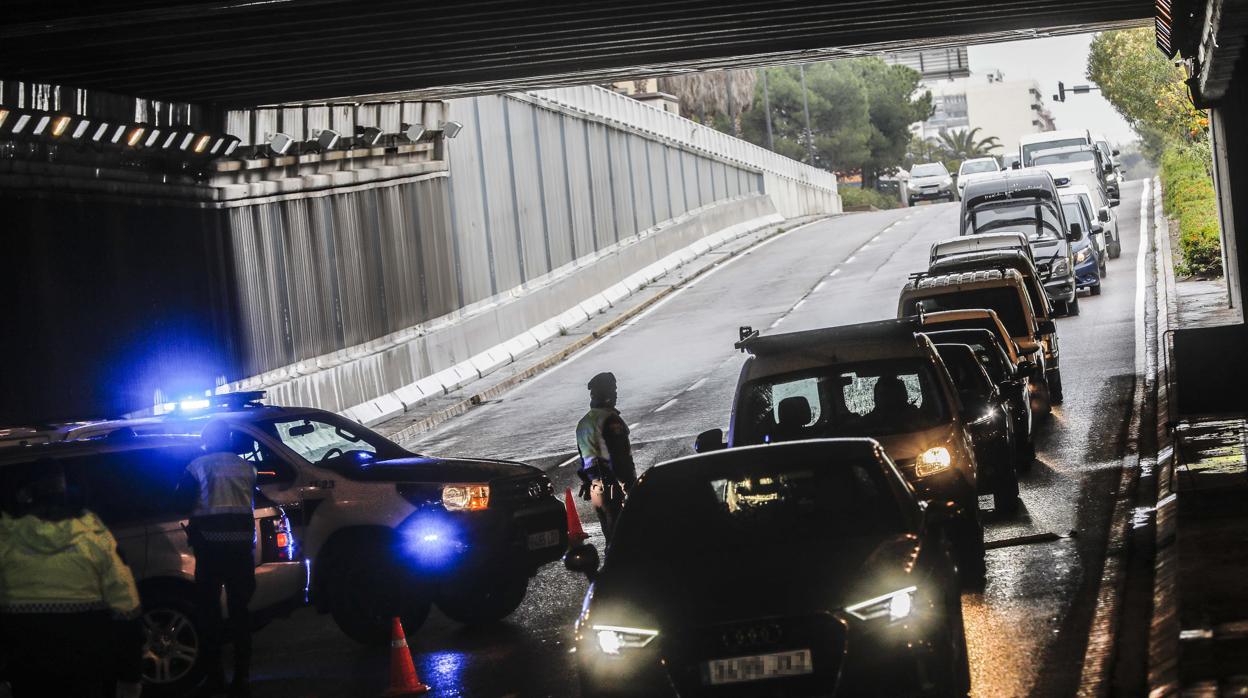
x: 403, y: 679
x: 576, y: 534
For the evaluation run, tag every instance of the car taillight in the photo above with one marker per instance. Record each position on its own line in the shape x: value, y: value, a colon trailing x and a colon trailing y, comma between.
x: 278, y: 542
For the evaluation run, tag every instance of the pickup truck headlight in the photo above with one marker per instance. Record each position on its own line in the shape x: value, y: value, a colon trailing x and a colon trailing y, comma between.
x: 465, y: 497
x: 1060, y: 267
x: 613, y: 638
x: 932, y: 461
x: 894, y: 606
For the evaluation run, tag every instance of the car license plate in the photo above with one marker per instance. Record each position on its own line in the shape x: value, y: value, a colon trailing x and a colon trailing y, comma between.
x: 545, y: 539
x: 754, y: 668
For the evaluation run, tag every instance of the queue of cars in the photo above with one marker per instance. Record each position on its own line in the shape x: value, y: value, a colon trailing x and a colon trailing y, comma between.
x: 805, y: 579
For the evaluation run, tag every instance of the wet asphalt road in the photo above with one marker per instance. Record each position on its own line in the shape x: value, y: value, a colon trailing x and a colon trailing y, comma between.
x: 1027, y: 631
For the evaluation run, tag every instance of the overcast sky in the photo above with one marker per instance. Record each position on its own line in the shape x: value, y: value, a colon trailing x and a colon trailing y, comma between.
x: 1062, y: 58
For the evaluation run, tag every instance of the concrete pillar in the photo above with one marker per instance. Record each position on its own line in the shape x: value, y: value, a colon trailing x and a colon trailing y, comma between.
x: 1230, y: 161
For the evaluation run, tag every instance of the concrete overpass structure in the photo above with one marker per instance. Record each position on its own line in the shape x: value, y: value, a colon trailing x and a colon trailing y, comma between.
x: 226, y: 248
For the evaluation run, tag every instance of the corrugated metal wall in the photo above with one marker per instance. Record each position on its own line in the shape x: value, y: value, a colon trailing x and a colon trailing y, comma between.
x: 535, y: 188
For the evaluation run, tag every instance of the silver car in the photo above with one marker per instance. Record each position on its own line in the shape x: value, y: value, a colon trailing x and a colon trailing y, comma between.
x: 130, y: 482
x: 930, y: 181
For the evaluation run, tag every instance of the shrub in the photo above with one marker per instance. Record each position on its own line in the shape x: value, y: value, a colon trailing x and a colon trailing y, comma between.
x: 857, y: 196
x: 1188, y: 196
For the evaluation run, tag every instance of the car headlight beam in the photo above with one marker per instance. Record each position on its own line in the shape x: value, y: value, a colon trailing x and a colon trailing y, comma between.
x: 613, y: 638
x: 894, y: 606
x: 932, y: 461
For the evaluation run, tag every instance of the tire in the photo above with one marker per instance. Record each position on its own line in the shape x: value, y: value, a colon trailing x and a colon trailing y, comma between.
x: 1105, y: 265
x: 172, y: 644
x: 1096, y: 290
x: 368, y: 591
x: 1072, y: 306
x: 1056, y: 394
x: 968, y: 545
x: 1115, y: 249
x: 952, y: 674
x: 1026, y: 455
x: 484, y: 603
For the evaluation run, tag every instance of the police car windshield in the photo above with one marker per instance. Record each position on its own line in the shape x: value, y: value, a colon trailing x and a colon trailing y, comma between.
x: 841, y: 400
x: 763, y: 507
x: 322, y: 439
x: 1037, y: 219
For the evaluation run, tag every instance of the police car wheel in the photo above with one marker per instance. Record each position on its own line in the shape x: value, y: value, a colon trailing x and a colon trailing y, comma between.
x: 952, y: 675
x: 486, y: 602
x: 367, y: 593
x: 171, y: 644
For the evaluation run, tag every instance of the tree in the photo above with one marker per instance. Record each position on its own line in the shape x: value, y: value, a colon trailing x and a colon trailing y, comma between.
x: 840, y: 122
x: 962, y: 145
x: 715, y: 98
x: 860, y: 114
x: 892, y: 107
x: 1146, y: 88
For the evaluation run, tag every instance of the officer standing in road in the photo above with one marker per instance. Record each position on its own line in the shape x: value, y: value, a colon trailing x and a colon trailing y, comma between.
x: 222, y: 535
x: 607, y: 471
x: 69, y: 608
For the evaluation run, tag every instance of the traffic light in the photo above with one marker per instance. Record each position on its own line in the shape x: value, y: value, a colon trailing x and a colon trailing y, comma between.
x: 1061, y: 92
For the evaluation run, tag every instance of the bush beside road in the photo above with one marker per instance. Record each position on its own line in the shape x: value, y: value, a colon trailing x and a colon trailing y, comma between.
x: 1190, y: 200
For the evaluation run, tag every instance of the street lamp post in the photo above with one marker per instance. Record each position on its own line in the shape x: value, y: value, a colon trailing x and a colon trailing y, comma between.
x: 810, y: 146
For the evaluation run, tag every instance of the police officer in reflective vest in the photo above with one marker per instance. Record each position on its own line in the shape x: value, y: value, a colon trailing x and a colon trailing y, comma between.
x: 607, y: 471
x: 69, y: 608
x: 222, y: 535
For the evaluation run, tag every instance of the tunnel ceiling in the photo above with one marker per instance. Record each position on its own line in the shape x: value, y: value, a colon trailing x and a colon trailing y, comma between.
x: 268, y: 51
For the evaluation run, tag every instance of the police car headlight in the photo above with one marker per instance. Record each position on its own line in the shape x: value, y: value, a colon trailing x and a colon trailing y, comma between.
x: 466, y: 497
x: 1082, y: 255
x: 613, y: 638
x: 932, y: 461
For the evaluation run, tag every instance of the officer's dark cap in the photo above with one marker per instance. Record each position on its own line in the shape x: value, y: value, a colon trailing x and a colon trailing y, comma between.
x: 601, y: 383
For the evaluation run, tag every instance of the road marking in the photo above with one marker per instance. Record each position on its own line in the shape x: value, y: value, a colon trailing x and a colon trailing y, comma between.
x: 799, y: 304
x: 633, y: 426
x: 696, y: 384
x: 834, y: 273
x: 670, y: 297
x: 667, y: 404
x: 818, y: 286
x: 849, y: 259
x: 1095, y: 673
x: 569, y: 461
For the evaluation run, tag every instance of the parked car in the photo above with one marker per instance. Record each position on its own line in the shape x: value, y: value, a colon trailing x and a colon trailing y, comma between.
x: 1004, y: 292
x: 811, y: 570
x: 988, y: 417
x: 976, y: 168
x: 130, y: 482
x: 389, y: 532
x: 985, y: 242
x: 1100, y: 211
x: 1011, y: 382
x: 930, y: 181
x: 1089, y: 260
x: 1027, y: 202
x: 881, y: 380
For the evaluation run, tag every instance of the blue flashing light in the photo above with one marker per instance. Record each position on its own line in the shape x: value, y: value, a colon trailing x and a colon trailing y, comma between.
x: 431, y: 540
x: 190, y: 404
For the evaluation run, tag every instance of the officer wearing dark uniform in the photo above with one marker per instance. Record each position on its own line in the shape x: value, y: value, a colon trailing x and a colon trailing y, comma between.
x: 222, y: 535
x: 607, y: 471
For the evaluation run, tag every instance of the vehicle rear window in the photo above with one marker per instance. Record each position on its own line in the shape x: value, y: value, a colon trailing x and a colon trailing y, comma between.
x: 1073, y: 213
x: 841, y: 400
x: 1036, y: 219
x: 1003, y: 299
x: 726, y: 510
x: 964, y: 367
x: 979, y: 166
x: 1063, y: 158
x: 1031, y: 149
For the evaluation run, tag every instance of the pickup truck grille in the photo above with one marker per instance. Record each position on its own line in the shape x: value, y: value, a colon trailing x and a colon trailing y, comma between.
x: 521, y: 490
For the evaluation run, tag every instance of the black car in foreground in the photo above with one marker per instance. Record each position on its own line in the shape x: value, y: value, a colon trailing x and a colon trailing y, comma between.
x: 806, y: 568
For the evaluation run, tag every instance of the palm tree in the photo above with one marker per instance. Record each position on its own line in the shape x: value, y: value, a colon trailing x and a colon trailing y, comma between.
x: 706, y: 94
x: 963, y: 144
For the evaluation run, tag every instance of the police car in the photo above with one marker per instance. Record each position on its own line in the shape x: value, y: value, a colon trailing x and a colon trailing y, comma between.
x: 387, y: 532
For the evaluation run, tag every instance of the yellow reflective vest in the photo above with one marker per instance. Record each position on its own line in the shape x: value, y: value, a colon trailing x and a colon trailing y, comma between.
x: 65, y: 566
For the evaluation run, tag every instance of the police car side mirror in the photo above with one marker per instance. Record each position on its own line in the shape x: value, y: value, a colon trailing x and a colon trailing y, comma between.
x: 709, y: 440
x: 582, y: 558
x: 1103, y: 214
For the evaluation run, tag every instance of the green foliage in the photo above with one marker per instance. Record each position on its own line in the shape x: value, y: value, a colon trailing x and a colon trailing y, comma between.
x: 854, y: 197
x: 1188, y: 196
x: 1146, y: 88
x: 860, y: 113
x: 966, y: 144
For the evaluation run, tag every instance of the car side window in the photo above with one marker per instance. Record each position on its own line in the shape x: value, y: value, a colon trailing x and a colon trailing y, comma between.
x: 131, y: 487
x: 270, y: 469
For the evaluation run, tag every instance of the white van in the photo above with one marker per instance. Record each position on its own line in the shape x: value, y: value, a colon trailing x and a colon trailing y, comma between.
x: 1035, y: 142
